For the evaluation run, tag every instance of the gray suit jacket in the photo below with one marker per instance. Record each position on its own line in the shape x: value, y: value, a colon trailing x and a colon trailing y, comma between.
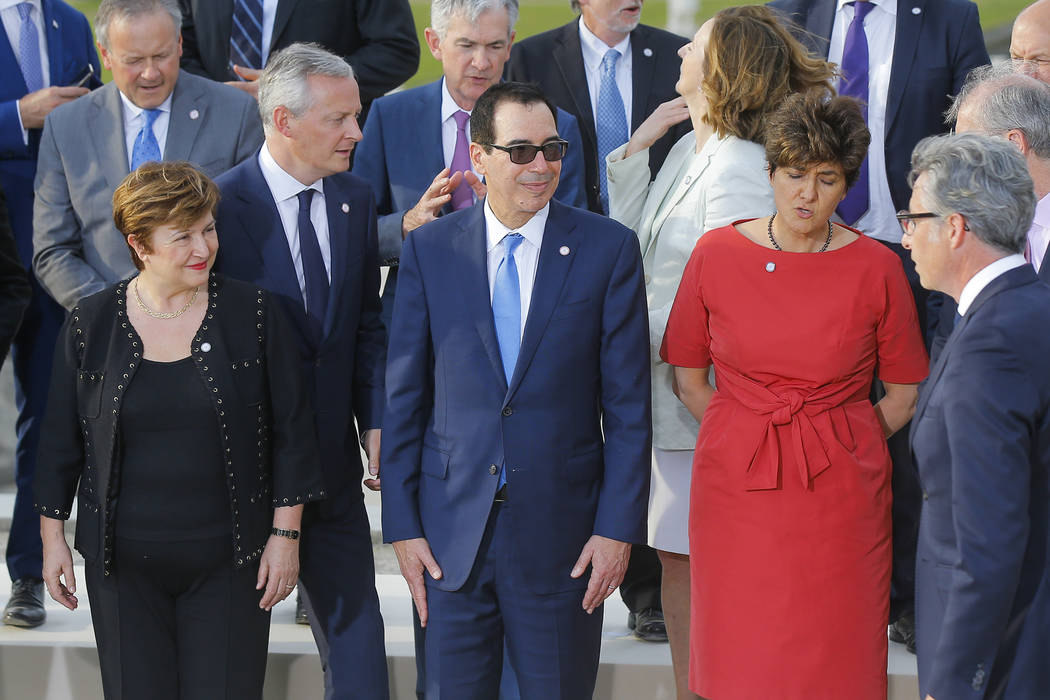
x: 77, y: 250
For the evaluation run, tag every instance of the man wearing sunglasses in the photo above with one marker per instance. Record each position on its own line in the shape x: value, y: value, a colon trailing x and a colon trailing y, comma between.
x: 415, y: 146
x: 517, y: 432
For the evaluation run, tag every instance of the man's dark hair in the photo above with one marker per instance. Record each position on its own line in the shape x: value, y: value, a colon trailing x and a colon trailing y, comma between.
x: 482, y: 118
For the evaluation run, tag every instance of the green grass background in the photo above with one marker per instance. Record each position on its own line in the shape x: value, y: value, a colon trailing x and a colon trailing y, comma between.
x: 540, y: 15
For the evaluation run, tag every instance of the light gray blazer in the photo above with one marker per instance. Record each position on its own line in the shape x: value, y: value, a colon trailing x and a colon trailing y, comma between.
x: 77, y: 250
x: 692, y: 194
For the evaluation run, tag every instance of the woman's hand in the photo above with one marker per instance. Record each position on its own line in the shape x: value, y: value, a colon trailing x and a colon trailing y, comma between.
x: 58, y: 564
x: 278, y: 570
x: 656, y: 125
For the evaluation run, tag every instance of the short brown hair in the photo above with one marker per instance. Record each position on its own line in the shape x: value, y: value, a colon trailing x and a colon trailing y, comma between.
x: 751, y: 64
x: 158, y: 194
x: 808, y: 129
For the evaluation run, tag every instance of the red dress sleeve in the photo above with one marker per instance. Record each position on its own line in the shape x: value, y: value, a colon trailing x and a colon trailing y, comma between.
x: 686, y: 339
x: 902, y: 356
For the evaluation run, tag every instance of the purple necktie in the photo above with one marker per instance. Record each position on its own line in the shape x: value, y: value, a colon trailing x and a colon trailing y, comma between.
x: 855, y: 84
x: 463, y: 196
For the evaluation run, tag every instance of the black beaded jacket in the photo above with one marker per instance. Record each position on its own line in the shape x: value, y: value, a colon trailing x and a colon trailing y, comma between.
x: 244, y: 352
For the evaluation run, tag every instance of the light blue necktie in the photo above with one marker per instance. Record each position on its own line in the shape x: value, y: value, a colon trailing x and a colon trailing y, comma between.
x: 611, y: 120
x: 29, y: 49
x: 146, y: 148
x: 506, y: 312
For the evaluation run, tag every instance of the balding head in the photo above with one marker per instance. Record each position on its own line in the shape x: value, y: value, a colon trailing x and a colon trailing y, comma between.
x: 1030, y: 40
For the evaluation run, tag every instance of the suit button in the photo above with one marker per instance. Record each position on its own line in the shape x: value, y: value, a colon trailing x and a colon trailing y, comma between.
x: 508, y: 411
x: 493, y: 469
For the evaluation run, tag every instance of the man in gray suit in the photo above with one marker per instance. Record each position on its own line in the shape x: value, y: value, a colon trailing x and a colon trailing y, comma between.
x: 151, y: 111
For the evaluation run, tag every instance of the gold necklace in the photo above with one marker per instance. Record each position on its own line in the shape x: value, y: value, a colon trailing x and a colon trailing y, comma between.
x: 166, y: 314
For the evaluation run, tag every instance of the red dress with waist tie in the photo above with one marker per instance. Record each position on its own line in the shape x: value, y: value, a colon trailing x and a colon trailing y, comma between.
x: 789, y: 523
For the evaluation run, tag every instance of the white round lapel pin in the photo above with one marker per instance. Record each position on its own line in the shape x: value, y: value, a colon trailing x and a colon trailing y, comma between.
x: 647, y: 52
x: 564, y: 250
x: 205, y: 347
x: 770, y: 266
x: 345, y: 207
x: 194, y: 114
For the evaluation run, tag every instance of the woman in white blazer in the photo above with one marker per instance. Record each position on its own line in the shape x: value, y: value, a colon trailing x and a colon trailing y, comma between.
x: 736, y: 71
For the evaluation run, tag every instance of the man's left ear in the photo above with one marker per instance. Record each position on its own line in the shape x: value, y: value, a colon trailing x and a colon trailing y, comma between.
x: 1017, y: 138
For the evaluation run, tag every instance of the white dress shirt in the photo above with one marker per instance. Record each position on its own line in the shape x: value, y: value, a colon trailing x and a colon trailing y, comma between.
x: 285, y: 190
x: 880, y: 27
x: 134, y: 120
x: 12, y: 21
x: 984, y: 277
x: 269, y: 14
x: 448, y: 126
x: 593, y: 52
x: 526, y: 255
x: 1039, y: 233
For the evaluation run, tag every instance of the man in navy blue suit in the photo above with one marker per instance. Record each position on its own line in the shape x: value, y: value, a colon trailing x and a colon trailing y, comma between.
x: 981, y: 431
x: 294, y: 222
x: 516, y: 436
x: 414, y: 150
x: 918, y: 55
x: 47, y: 58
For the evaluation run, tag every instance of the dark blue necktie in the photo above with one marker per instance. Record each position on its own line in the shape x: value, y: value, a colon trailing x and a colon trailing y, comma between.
x: 855, y: 84
x: 246, y: 33
x: 313, y: 267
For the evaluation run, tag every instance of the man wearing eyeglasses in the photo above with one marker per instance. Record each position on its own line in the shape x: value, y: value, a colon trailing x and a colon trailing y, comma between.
x: 516, y: 436
x: 414, y: 151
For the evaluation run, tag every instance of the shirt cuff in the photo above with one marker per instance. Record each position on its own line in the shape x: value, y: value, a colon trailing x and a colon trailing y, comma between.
x: 25, y: 131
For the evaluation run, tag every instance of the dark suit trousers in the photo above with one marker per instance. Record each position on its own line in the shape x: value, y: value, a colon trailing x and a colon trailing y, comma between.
x: 31, y: 353
x: 907, y: 492
x: 337, y: 580
x: 553, y: 644
x: 176, y: 621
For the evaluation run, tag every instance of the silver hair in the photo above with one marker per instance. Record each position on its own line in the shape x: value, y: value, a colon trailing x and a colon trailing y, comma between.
x: 110, y: 9
x: 575, y: 5
x: 441, y: 11
x: 284, y: 80
x: 982, y: 177
x: 1002, y: 100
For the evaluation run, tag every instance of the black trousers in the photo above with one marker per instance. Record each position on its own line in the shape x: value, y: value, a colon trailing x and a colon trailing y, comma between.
x: 176, y: 621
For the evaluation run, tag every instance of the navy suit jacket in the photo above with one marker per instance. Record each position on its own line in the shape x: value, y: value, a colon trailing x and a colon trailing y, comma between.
x: 981, y: 441
x: 70, y: 49
x: 344, y: 374
x: 938, y: 42
x: 655, y: 67
x: 401, y: 152
x: 572, y: 426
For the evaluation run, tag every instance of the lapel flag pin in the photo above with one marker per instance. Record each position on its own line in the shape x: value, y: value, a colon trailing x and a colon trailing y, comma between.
x: 564, y: 250
x: 345, y: 208
x: 647, y: 52
x: 194, y: 114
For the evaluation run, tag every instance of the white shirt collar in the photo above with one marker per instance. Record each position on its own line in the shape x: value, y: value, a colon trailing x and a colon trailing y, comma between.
x: 887, y: 5
x: 985, y: 276
x: 594, y: 48
x: 448, y: 105
x: 1042, y: 212
x: 532, y: 231
x: 282, y: 185
x: 133, y: 111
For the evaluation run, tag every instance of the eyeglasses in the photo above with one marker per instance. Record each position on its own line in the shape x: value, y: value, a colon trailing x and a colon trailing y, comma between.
x: 907, y: 219
x: 525, y: 153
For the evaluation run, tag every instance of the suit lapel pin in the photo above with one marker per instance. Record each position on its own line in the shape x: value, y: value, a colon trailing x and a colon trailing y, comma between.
x: 205, y: 347
x: 770, y: 266
x: 54, y: 23
x: 564, y: 250
x: 194, y: 114
x: 647, y: 52
x: 916, y: 10
x: 345, y: 207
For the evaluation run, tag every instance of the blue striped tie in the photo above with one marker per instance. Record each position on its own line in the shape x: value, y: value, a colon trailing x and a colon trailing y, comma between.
x: 246, y: 33
x: 611, y: 120
x: 29, y: 49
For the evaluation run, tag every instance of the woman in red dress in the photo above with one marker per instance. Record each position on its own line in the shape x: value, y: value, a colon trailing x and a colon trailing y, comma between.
x: 790, y: 519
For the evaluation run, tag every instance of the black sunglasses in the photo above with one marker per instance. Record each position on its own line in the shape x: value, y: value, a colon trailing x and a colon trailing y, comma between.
x: 525, y: 153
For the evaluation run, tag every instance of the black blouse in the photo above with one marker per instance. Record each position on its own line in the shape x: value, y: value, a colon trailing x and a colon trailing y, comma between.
x: 243, y: 353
